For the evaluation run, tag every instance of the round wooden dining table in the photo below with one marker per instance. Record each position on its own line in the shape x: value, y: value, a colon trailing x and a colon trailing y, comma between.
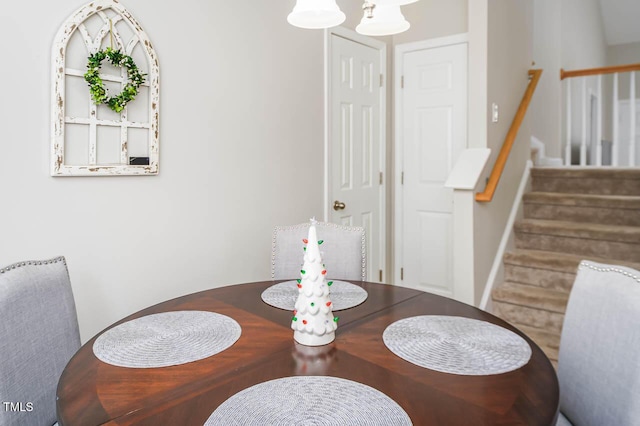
x: 91, y: 392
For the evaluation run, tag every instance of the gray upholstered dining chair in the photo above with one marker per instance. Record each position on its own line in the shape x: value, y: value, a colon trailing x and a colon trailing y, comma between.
x: 343, y: 251
x: 38, y: 336
x: 599, y: 360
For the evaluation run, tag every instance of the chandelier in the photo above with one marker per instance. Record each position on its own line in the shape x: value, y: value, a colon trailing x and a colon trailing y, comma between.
x: 381, y: 17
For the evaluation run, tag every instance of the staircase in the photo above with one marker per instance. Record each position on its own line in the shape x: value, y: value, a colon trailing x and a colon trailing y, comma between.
x: 570, y: 215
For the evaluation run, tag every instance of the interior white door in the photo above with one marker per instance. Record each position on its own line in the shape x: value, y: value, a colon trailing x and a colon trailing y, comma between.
x: 355, y: 182
x: 433, y: 117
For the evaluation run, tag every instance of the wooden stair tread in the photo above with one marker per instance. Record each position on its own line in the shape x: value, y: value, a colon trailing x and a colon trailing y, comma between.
x: 594, y: 231
x: 583, y: 213
x: 532, y: 296
x: 540, y: 336
x: 609, y: 180
x: 619, y: 210
x: 627, y: 202
x: 529, y: 316
x: 556, y: 261
x: 582, y: 173
x: 548, y: 341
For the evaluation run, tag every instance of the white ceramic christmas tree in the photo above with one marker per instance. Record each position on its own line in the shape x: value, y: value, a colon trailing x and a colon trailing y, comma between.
x: 313, y: 321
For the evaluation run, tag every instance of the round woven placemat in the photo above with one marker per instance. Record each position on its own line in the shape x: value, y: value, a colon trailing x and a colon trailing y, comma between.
x: 168, y: 338
x: 344, y: 295
x: 309, y: 400
x: 456, y: 345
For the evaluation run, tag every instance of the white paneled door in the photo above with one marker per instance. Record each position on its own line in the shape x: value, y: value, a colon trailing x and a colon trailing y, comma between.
x: 356, y: 158
x: 433, y: 117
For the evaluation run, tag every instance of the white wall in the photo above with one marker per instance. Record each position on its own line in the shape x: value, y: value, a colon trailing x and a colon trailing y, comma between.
x: 568, y: 34
x: 478, y: 55
x: 433, y: 18
x: 545, y: 109
x: 622, y: 54
x: 509, y: 56
x: 240, y: 151
x: 583, y: 44
x: 241, y: 142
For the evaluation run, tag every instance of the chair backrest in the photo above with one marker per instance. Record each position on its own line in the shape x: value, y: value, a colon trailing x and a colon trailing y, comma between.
x: 343, y: 251
x: 38, y: 336
x: 599, y: 359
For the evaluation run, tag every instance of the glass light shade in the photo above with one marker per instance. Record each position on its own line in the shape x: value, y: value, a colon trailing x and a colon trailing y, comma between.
x: 316, y: 14
x: 387, y: 20
x: 393, y: 2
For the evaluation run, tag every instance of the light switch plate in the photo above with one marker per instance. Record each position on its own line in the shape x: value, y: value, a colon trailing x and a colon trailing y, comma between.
x: 494, y: 112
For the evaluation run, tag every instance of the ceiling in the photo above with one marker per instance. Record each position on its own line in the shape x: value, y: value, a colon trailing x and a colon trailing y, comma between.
x: 620, y: 19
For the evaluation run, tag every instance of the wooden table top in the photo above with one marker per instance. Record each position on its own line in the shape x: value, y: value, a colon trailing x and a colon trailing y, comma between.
x: 91, y: 392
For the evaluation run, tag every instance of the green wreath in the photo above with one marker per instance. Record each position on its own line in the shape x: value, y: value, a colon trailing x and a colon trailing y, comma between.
x: 96, y: 86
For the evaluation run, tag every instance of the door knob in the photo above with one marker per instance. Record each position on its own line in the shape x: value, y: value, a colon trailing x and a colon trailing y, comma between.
x: 338, y: 205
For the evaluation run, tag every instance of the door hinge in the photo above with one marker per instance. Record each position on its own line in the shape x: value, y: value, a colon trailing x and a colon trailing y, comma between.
x: 381, y: 80
x: 381, y: 178
x: 401, y: 178
x: 402, y: 82
x: 401, y: 273
x: 380, y: 279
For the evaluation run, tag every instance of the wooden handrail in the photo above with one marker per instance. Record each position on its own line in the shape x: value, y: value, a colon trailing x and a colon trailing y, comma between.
x: 501, y: 161
x: 596, y: 71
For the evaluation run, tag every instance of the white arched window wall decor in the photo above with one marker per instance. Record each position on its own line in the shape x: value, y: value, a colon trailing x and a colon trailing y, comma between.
x: 89, y: 139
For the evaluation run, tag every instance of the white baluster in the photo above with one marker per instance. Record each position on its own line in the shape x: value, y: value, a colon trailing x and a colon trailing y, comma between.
x: 599, y: 124
x: 583, y: 144
x: 615, y: 141
x: 632, y: 112
x: 567, y: 152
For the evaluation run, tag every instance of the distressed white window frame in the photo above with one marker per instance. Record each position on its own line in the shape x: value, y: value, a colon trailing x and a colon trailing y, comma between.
x: 59, y: 73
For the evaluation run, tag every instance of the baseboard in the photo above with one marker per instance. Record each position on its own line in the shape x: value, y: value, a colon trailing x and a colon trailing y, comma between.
x: 497, y: 267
